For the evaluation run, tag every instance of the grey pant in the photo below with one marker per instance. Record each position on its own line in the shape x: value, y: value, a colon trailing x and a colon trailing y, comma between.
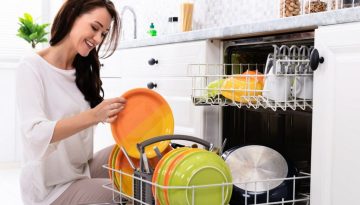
x: 90, y: 191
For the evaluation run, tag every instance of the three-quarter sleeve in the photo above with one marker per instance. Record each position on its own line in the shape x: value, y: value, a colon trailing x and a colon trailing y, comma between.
x: 35, y: 126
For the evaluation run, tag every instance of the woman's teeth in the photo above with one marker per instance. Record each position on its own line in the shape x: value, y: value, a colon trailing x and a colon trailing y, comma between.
x: 89, y: 43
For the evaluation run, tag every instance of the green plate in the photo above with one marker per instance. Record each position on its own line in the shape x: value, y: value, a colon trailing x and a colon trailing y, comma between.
x: 200, y: 168
x: 160, y: 172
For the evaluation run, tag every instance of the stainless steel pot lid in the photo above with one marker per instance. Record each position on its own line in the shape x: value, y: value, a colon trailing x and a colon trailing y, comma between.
x: 256, y: 163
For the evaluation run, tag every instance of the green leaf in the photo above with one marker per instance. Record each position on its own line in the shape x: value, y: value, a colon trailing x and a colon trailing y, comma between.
x: 43, y: 26
x: 25, y: 37
x: 33, y: 36
x: 43, y: 40
x: 28, y: 17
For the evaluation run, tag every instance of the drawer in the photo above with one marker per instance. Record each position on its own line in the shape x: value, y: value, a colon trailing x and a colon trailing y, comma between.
x: 172, y: 60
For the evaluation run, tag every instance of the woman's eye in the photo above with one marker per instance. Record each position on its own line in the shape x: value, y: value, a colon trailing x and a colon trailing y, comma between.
x: 94, y: 28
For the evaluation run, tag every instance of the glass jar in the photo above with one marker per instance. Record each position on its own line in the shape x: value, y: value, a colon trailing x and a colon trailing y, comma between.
x: 334, y: 4
x: 314, y: 6
x: 290, y: 8
x: 350, y: 3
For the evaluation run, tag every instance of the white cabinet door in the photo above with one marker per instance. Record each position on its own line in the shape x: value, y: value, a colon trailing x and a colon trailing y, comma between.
x: 336, y: 115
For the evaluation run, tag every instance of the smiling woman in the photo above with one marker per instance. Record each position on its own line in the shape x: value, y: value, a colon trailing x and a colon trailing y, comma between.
x: 60, y: 100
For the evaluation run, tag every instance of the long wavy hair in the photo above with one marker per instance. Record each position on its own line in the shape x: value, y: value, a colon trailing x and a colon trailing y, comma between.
x: 87, y: 68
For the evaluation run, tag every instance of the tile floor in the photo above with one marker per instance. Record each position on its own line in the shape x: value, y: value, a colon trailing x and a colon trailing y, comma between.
x: 9, y: 183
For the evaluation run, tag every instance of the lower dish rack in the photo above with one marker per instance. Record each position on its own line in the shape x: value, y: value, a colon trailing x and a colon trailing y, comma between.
x: 143, y: 186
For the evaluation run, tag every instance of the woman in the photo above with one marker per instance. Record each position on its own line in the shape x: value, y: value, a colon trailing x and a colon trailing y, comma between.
x: 60, y: 100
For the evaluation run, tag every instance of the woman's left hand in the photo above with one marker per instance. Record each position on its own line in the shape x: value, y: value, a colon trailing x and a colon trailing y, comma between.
x: 108, y: 109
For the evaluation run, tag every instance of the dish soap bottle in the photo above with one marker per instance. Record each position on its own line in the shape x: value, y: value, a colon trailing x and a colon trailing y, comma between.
x: 152, y: 31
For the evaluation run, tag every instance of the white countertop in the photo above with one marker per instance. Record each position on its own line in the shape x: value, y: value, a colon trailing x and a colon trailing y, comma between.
x: 280, y: 25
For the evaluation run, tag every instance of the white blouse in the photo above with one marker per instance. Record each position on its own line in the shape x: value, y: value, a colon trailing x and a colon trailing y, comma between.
x: 46, y: 94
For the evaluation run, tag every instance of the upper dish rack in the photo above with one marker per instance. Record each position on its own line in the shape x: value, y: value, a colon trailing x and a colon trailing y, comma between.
x: 284, y: 82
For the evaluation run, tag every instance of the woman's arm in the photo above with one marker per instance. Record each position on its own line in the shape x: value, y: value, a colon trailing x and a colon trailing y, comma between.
x: 106, y: 111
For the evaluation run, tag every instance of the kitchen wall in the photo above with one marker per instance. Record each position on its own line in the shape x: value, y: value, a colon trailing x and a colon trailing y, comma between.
x: 207, y: 13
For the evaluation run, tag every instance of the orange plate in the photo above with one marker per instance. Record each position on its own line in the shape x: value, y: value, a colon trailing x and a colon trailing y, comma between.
x: 125, y: 183
x: 111, y: 163
x: 146, y: 115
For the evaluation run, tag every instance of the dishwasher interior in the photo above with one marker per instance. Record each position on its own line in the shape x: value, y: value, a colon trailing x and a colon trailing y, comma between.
x: 288, y: 131
x: 252, y: 115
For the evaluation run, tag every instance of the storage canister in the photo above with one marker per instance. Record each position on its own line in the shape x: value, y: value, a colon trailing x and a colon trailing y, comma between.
x: 290, y: 8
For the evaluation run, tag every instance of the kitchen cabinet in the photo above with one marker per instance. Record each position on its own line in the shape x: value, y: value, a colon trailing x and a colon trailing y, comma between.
x: 336, y: 131
x: 165, y: 66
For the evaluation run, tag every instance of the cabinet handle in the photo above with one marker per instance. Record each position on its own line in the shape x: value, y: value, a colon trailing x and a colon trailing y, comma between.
x: 315, y: 59
x: 152, y: 61
x: 151, y: 85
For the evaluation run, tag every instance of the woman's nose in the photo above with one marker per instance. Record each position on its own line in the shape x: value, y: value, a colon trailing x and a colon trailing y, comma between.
x: 98, y: 38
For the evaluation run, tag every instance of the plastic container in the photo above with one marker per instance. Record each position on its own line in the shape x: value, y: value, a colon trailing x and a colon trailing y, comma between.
x: 290, y: 8
x: 186, y: 12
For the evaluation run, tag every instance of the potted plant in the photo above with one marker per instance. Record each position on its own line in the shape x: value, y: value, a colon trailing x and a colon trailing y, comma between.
x: 32, y: 32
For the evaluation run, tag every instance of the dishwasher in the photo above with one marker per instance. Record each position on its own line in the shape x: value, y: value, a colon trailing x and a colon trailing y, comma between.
x: 273, y: 113
x: 263, y: 94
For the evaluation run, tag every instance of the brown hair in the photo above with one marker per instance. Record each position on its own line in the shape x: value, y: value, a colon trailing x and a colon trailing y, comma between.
x: 87, y: 68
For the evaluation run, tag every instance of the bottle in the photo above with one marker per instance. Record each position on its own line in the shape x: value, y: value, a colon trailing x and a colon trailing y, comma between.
x: 152, y: 31
x: 173, y: 25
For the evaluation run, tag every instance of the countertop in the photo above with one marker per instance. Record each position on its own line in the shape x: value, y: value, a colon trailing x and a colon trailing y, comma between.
x: 280, y: 25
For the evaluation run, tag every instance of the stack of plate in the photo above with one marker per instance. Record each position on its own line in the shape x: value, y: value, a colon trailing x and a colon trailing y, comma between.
x: 189, y: 167
x: 146, y: 115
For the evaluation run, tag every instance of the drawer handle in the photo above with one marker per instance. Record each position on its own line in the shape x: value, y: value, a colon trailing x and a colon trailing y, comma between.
x: 151, y: 85
x: 152, y: 61
x: 315, y: 59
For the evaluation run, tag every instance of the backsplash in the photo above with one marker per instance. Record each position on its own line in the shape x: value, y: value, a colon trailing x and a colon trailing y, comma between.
x: 207, y: 14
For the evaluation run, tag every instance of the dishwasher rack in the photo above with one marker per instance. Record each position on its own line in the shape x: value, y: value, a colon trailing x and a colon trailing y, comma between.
x: 287, y: 70
x: 299, y: 196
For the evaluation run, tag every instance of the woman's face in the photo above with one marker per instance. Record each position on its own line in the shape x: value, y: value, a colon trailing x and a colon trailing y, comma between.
x: 89, y: 30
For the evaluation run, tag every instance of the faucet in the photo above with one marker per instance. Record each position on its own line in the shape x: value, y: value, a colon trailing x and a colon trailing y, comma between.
x: 134, y: 15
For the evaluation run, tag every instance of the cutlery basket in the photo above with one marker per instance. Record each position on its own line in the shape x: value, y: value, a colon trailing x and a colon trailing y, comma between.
x: 142, y: 189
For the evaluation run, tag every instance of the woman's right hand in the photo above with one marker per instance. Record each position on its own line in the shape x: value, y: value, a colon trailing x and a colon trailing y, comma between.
x: 108, y: 109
